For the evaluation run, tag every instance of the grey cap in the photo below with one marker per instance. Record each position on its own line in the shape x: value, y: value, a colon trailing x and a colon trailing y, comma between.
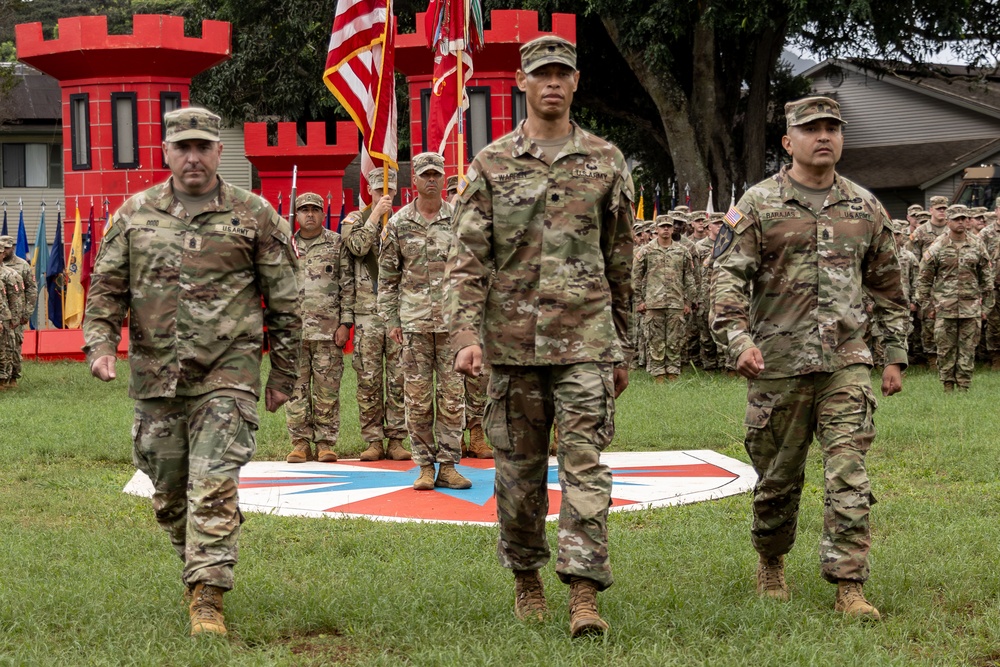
x: 376, y: 178
x: 429, y: 161
x: 308, y: 199
x: 808, y: 109
x: 664, y: 221
x: 957, y: 211
x: 546, y: 50
x: 192, y: 123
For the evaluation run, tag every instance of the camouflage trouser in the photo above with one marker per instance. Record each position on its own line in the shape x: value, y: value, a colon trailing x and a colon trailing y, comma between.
x: 6, y: 352
x: 916, y: 335
x: 667, y: 335
x: 475, y: 397
x: 433, y: 437
x: 380, y: 388
x: 927, y: 334
x: 993, y: 326
x: 956, y: 339
x: 313, y: 412
x: 16, y: 345
x: 709, y: 352
x: 192, y: 448
x: 523, y: 402
x: 639, y: 339
x: 782, y: 417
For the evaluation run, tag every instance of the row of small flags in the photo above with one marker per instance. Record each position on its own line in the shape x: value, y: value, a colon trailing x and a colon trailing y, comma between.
x: 672, y: 185
x: 62, y: 280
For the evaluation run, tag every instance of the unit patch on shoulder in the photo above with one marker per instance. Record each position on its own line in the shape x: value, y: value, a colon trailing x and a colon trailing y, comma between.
x: 723, y: 240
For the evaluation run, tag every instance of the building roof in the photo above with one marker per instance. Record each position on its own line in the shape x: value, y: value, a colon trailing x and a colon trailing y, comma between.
x: 912, y: 165
x: 36, y: 98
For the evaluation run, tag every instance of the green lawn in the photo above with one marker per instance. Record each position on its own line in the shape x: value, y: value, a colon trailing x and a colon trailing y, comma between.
x: 89, y: 579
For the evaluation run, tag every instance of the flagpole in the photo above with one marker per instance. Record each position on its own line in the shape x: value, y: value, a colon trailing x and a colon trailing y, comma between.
x: 460, y: 88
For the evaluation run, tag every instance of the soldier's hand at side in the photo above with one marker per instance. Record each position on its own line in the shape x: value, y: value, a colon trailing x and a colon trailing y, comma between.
x: 396, y: 333
x: 750, y: 364
x: 103, y: 368
x: 641, y: 308
x: 687, y: 309
x: 341, y: 336
x: 469, y: 361
x: 892, y: 380
x: 621, y: 379
x: 274, y: 399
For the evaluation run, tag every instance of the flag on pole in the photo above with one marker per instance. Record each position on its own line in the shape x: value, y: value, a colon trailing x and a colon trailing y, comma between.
x: 687, y: 195
x: 451, y: 33
x: 40, y: 265
x: 90, y: 245
x: 3, y: 230
x: 55, y: 279
x: 360, y: 72
x: 710, y: 207
x: 732, y: 196
x: 74, y: 287
x: 21, y: 249
x: 640, y: 213
x: 656, y: 201
x: 343, y: 203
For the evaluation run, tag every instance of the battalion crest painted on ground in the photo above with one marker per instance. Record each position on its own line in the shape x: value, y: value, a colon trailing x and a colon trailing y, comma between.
x: 383, y: 490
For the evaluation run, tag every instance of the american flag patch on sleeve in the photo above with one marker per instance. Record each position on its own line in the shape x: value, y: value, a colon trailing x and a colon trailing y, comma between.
x: 733, y: 217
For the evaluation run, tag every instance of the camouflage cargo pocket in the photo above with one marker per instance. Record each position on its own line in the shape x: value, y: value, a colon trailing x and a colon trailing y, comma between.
x: 496, y: 421
x: 606, y: 430
x: 757, y: 416
x: 872, y: 406
x: 243, y: 445
x: 139, y: 459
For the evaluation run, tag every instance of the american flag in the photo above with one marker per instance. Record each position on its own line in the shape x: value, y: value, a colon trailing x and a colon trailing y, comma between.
x: 454, y: 28
x: 360, y: 67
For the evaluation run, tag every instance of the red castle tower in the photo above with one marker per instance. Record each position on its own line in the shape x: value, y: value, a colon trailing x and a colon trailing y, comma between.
x: 115, y: 90
x: 495, y: 102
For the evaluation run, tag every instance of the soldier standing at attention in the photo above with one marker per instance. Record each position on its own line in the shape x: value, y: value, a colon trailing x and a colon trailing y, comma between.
x: 19, y: 313
x: 411, y: 301
x: 956, y: 283
x: 549, y: 207
x: 376, y: 358
x: 792, y: 260
x: 190, y: 260
x: 911, y: 217
x: 30, y: 298
x: 920, y: 240
x: 990, y: 236
x: 325, y: 276
x: 665, y: 288
x: 6, y: 337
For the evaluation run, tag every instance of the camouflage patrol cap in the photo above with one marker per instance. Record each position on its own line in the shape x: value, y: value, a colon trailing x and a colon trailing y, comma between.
x: 681, y: 209
x: 424, y: 162
x: 923, y: 215
x: 376, y: 179
x: 808, y: 109
x: 679, y: 216
x: 938, y: 201
x: 900, y: 227
x: 697, y: 216
x: 664, y: 221
x: 913, y: 209
x: 996, y: 204
x: 191, y: 123
x: 308, y: 199
x: 546, y: 50
x: 977, y: 212
x: 957, y: 211
x: 451, y: 183
x: 7, y: 242
x: 718, y: 216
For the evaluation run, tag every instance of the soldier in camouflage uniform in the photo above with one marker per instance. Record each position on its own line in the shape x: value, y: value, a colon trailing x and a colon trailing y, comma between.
x: 703, y: 242
x: 911, y: 218
x: 791, y: 263
x: 663, y: 277
x: 990, y: 236
x: 6, y: 338
x: 190, y: 260
x: 30, y: 299
x: 411, y: 301
x: 14, y: 287
x: 549, y: 206
x: 920, y: 240
x: 638, y: 336
x: 325, y: 276
x: 956, y: 283
x: 377, y: 357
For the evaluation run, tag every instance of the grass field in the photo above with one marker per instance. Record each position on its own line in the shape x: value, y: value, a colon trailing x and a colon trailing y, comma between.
x: 89, y: 579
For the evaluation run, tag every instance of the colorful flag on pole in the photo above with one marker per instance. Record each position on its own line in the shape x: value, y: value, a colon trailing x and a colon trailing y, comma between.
x: 640, y: 209
x: 89, y: 250
x: 450, y: 32
x: 21, y: 249
x: 55, y: 279
x: 656, y: 202
x: 687, y: 195
x: 329, y: 211
x: 74, y: 286
x: 360, y: 72
x: 3, y: 230
x: 40, y: 264
x: 710, y: 207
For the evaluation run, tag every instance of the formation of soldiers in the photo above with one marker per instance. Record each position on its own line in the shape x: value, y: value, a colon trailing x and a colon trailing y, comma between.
x: 949, y: 284
x: 18, y: 294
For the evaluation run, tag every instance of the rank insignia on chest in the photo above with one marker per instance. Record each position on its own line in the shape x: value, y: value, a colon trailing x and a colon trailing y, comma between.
x: 192, y: 242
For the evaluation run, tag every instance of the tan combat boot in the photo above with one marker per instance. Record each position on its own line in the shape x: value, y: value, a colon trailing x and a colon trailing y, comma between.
x: 301, y: 452
x: 478, y: 449
x: 771, y: 578
x: 529, y: 596
x: 851, y: 601
x: 397, y: 452
x: 426, y: 480
x: 949, y: 387
x: 206, y: 610
x: 325, y: 453
x: 375, y: 451
x: 660, y: 379
x: 932, y: 362
x: 449, y: 478
x: 583, y: 617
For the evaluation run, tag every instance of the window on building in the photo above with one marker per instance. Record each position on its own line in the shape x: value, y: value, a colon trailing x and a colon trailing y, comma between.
x: 32, y: 165
x: 478, y: 120
x: 169, y: 101
x: 124, y: 130
x: 79, y: 129
x: 518, y: 106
